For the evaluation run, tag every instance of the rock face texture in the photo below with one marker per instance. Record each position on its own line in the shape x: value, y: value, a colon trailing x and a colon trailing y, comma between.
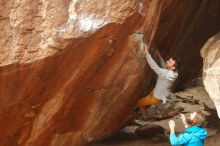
x: 211, y: 69
x: 72, y: 71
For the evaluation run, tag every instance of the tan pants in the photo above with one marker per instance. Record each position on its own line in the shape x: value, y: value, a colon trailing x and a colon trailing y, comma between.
x: 146, y: 101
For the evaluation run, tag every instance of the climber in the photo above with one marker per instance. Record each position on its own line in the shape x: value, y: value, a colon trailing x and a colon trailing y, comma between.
x: 194, y: 134
x: 166, y: 77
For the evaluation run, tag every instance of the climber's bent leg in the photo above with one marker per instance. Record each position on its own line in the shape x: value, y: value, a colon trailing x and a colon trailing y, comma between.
x: 147, y: 101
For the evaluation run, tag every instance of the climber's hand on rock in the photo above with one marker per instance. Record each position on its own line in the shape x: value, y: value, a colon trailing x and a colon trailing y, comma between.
x: 145, y: 49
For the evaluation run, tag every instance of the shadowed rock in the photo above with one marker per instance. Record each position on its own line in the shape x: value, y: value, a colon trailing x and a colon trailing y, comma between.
x: 149, y: 130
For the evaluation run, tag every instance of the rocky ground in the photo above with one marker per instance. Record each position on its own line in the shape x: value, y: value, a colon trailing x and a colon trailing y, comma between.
x: 154, y: 130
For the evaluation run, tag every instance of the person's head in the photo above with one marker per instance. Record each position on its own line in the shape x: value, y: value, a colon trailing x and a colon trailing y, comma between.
x: 173, y: 63
x: 195, y: 119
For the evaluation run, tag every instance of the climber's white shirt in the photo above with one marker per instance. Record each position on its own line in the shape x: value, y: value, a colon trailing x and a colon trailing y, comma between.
x: 165, y: 79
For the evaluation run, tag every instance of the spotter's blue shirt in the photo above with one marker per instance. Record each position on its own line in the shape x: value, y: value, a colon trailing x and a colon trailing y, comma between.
x: 192, y: 136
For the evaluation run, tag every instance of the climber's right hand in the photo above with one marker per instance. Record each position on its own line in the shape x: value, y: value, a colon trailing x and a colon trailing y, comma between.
x: 145, y: 49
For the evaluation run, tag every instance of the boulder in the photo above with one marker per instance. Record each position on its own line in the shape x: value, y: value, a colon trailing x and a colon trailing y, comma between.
x: 211, y: 71
x: 163, y: 111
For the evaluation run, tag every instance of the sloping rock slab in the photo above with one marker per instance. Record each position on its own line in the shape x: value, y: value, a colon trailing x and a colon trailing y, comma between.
x: 163, y: 111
